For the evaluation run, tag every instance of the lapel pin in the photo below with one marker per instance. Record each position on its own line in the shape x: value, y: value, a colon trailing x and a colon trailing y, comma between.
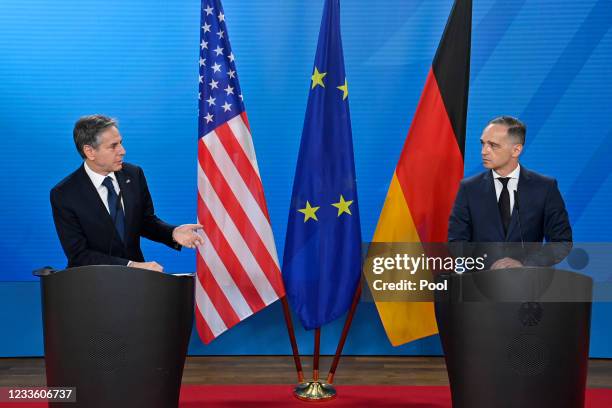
x: 127, y: 181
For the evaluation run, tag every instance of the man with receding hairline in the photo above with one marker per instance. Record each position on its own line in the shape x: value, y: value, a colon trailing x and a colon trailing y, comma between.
x: 485, y: 208
x: 103, y: 208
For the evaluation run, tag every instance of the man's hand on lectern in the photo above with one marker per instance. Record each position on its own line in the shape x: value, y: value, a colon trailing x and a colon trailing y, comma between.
x: 506, y: 263
x: 154, y: 266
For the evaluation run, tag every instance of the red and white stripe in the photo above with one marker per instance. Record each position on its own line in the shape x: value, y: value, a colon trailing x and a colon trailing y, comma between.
x: 238, y: 272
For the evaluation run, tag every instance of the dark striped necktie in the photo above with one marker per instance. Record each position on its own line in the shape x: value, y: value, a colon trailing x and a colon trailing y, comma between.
x: 115, y: 209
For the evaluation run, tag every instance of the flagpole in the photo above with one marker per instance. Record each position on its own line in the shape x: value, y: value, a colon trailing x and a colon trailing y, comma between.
x: 317, y: 352
x: 345, y: 330
x: 315, y: 390
x: 294, y: 346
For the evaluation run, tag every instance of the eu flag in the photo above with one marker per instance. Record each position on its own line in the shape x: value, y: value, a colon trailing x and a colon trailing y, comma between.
x: 322, y: 261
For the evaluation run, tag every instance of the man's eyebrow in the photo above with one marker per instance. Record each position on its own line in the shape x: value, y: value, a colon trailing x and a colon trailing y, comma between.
x: 489, y: 142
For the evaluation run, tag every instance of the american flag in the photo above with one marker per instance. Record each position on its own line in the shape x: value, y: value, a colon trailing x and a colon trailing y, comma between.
x: 237, y: 268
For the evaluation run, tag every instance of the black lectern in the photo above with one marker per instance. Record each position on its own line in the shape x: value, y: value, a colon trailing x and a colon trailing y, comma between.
x: 117, y: 334
x: 516, y: 337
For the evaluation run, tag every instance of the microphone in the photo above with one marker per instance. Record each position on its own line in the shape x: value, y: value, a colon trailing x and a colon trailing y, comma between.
x: 44, y: 271
x: 518, y: 214
x: 117, y: 209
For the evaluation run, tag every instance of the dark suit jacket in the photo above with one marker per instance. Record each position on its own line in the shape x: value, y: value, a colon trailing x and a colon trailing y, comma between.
x: 85, y: 228
x: 540, y: 215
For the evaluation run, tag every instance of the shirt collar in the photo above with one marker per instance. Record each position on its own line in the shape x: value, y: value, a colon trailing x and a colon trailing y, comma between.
x: 514, y: 174
x: 97, y: 178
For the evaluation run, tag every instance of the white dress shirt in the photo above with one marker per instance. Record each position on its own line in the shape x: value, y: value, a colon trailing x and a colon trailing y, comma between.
x: 512, y: 184
x: 97, y: 180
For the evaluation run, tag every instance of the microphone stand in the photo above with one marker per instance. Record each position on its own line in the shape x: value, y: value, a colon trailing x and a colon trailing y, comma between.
x: 518, y: 215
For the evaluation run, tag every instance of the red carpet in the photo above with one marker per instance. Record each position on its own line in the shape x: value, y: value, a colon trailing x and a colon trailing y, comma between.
x: 370, y: 396
x: 272, y: 396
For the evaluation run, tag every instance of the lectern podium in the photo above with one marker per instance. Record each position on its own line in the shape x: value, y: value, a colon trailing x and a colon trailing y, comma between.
x: 117, y: 334
x: 516, y: 338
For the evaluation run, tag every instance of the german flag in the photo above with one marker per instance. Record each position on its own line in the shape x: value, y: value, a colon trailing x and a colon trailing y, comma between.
x: 427, y: 176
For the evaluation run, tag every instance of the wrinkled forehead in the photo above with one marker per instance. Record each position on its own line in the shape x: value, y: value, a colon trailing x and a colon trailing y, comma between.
x: 109, y: 135
x: 495, y: 133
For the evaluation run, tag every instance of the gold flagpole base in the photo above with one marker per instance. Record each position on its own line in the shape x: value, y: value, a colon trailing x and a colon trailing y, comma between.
x: 315, y: 391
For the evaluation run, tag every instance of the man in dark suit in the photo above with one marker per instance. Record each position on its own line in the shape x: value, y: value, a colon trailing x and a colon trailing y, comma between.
x: 509, y: 203
x: 103, y: 208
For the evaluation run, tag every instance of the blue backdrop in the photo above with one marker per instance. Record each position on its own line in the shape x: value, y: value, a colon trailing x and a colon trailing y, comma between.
x: 547, y: 62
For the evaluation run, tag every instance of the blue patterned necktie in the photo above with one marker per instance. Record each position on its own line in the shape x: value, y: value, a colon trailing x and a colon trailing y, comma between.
x: 113, y: 206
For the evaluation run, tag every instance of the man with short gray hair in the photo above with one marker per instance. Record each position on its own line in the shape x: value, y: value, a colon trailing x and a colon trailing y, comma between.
x: 103, y: 208
x: 485, y: 208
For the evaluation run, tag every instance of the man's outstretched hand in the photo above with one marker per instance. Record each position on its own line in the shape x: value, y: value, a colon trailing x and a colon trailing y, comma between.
x: 186, y: 235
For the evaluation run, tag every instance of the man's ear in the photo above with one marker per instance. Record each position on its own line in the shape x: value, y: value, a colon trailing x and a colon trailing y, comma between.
x: 89, y: 152
x: 517, y: 150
